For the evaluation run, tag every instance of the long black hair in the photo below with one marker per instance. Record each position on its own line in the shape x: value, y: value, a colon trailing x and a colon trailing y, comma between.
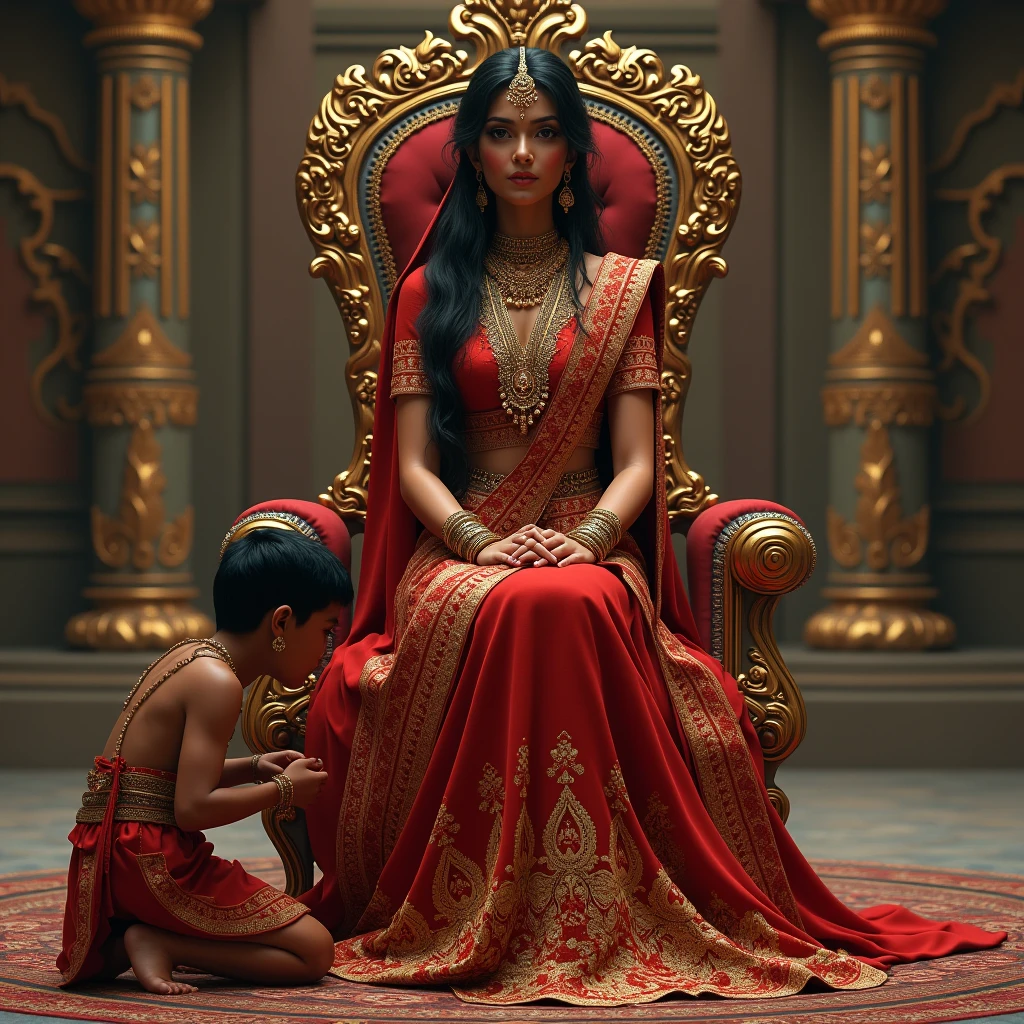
x: 455, y: 270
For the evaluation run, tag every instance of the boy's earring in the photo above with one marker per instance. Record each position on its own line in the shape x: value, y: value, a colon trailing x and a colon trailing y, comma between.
x: 481, y: 192
x: 565, y: 198
x: 278, y: 644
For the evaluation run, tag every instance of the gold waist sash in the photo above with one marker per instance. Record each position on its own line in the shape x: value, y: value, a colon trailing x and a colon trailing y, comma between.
x: 140, y: 797
x: 570, y: 485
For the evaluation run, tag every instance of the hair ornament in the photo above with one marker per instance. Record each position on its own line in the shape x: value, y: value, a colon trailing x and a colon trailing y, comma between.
x: 269, y: 520
x: 522, y: 90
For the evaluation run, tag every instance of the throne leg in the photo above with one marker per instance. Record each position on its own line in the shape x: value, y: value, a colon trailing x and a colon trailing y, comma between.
x: 760, y: 557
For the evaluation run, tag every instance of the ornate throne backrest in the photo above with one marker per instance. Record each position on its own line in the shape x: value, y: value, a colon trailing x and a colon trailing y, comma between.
x: 374, y: 172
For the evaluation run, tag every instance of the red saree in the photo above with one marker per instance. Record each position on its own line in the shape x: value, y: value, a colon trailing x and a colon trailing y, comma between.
x: 540, y: 786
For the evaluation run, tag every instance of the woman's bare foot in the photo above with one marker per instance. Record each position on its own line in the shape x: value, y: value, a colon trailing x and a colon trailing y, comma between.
x: 151, y: 961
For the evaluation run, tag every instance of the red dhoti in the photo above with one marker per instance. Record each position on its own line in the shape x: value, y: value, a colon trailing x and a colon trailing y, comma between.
x: 131, y: 863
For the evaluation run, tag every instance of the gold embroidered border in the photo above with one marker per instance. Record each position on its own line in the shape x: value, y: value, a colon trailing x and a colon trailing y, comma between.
x: 728, y: 781
x: 510, y: 936
x: 407, y: 374
x: 262, y: 912
x: 637, y: 367
x: 402, y: 703
x: 85, y: 924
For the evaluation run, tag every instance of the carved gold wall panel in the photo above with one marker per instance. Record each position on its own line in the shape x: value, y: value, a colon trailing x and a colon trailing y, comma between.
x: 363, y: 105
x: 965, y: 271
x: 52, y: 266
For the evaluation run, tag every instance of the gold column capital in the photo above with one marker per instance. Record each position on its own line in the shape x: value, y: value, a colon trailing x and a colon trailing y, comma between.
x: 876, y: 21
x: 144, y: 21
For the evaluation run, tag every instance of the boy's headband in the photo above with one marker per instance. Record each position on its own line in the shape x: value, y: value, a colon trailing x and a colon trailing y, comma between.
x: 269, y: 521
x: 522, y: 90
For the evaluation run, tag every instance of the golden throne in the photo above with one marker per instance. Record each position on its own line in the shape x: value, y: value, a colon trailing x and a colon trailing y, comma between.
x: 671, y: 188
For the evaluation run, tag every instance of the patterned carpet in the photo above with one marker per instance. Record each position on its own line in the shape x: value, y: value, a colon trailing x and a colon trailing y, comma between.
x: 970, y: 985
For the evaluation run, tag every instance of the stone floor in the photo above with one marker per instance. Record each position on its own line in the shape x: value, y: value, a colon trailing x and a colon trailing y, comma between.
x: 970, y: 819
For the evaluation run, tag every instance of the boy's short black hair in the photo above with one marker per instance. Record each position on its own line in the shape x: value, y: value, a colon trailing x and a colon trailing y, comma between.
x: 268, y: 568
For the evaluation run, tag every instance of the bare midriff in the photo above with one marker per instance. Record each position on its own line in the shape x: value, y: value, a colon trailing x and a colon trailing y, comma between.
x: 504, y: 460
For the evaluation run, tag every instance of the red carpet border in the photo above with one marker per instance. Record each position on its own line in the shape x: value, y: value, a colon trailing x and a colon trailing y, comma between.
x: 954, y: 988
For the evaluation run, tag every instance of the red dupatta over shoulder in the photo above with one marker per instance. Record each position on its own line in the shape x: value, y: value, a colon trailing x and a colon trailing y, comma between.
x: 540, y: 786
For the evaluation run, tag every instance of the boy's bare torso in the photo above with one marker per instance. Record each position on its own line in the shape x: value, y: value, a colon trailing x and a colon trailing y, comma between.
x: 154, y: 737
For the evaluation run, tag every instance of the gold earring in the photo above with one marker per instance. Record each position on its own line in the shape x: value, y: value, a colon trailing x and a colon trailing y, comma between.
x: 565, y: 198
x: 278, y: 644
x: 481, y: 192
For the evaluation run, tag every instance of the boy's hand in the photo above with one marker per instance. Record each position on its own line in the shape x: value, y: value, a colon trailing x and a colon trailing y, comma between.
x: 307, y: 780
x: 273, y: 764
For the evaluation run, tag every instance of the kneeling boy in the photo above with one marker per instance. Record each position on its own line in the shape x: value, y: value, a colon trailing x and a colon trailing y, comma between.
x: 144, y: 887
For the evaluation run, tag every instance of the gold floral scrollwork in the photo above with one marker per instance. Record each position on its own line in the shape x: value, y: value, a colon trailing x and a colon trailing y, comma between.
x: 880, y: 535
x: 1002, y: 94
x: 492, y: 25
x: 875, y: 92
x: 145, y: 93
x: 875, y: 170
x: 140, y: 532
x: 44, y: 259
x: 905, y: 404
x: 113, y: 405
x: 143, y: 257
x: 974, y: 262
x: 144, y: 167
x: 876, y: 248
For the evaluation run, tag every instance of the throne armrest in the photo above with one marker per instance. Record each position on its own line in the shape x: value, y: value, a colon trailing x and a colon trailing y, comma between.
x: 741, y: 557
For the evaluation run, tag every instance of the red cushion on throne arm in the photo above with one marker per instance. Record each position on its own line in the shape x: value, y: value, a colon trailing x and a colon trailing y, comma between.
x: 417, y: 176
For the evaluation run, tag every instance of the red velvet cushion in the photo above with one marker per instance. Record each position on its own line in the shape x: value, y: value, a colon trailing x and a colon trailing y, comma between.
x: 417, y: 176
x: 700, y: 546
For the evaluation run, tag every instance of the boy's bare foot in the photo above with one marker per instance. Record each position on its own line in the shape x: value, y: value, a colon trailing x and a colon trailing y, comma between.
x: 151, y: 962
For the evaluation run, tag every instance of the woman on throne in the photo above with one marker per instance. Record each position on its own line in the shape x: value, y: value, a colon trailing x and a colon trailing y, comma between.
x: 540, y: 786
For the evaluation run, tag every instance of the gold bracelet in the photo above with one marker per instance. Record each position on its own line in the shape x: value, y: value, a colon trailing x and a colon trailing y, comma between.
x: 284, y: 809
x: 255, y: 762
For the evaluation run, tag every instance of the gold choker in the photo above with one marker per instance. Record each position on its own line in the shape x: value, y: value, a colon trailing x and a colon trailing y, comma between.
x: 525, y: 267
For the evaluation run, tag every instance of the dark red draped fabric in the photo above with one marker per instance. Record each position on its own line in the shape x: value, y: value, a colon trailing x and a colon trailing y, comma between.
x: 540, y: 785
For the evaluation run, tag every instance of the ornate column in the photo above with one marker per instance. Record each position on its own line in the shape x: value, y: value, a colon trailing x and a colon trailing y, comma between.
x: 879, y: 396
x: 140, y: 394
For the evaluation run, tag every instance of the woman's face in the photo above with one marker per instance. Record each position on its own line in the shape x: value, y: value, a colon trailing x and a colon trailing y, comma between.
x: 522, y: 160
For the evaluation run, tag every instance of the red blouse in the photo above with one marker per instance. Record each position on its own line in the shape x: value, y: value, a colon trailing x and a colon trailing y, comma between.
x: 488, y: 426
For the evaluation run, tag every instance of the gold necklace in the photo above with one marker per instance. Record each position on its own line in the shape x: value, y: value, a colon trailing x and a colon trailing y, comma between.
x: 523, y: 372
x: 525, y: 267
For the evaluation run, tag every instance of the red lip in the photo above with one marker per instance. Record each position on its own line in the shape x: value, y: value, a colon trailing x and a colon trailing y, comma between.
x: 522, y: 177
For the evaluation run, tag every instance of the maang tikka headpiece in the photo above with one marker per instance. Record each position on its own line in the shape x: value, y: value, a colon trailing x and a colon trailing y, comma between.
x: 522, y: 90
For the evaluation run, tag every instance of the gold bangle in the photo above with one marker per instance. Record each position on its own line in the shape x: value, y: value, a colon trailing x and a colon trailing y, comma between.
x: 464, y: 534
x: 255, y: 762
x: 286, y: 795
x: 599, y: 531
x: 484, y: 539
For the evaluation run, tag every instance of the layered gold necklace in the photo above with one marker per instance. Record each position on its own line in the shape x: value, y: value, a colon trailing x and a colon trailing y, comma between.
x: 523, y: 372
x: 525, y: 267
